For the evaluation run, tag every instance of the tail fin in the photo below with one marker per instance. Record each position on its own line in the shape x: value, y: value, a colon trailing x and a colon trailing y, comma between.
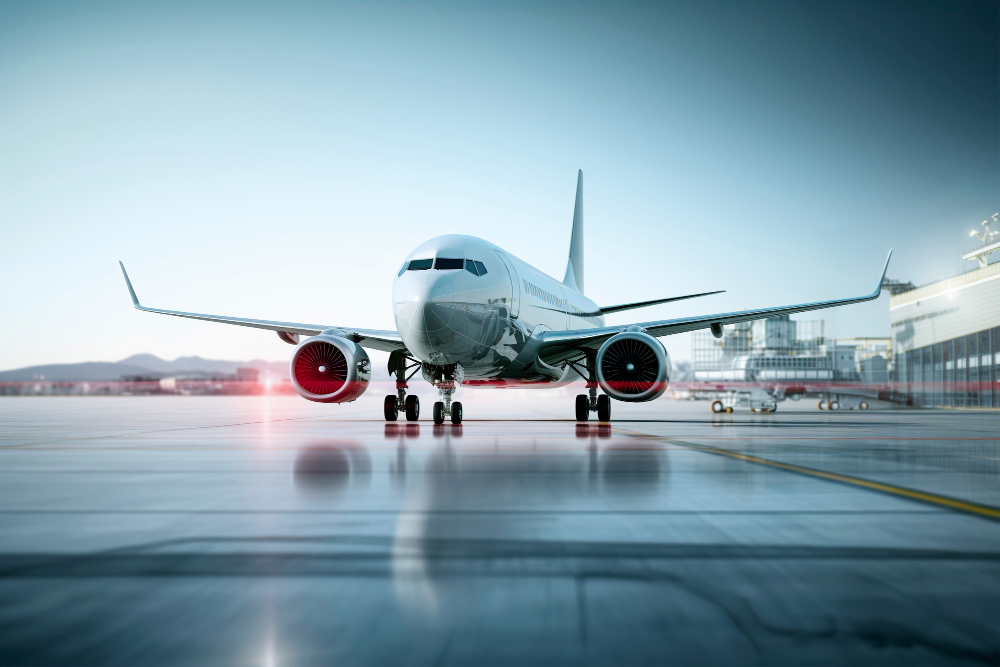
x: 574, y: 269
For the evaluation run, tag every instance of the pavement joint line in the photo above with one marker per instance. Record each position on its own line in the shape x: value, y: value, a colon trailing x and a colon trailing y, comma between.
x: 141, y: 433
x: 975, y: 509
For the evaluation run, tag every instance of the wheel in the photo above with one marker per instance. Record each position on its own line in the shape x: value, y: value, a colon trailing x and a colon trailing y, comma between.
x: 438, y: 412
x: 863, y: 405
x: 729, y: 409
x: 582, y: 408
x: 717, y: 407
x: 603, y: 408
x: 412, y: 408
x: 390, y: 408
x: 456, y: 412
x: 834, y: 405
x: 820, y: 405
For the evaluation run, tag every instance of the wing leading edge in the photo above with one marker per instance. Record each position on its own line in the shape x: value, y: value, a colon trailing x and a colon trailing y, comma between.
x: 583, y: 338
x: 387, y: 341
x: 604, y: 310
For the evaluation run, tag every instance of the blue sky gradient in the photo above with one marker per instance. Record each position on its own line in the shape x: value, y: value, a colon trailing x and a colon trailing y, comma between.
x: 279, y: 160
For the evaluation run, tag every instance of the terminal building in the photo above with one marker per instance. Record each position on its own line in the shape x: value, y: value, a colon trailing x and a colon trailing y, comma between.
x: 946, y: 338
x: 783, y: 351
x: 944, y: 349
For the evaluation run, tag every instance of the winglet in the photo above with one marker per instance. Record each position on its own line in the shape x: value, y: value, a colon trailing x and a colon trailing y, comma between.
x: 878, y: 289
x: 135, y: 299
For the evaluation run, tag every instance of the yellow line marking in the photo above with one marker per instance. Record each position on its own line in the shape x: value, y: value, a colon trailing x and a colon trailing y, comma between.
x: 985, y: 511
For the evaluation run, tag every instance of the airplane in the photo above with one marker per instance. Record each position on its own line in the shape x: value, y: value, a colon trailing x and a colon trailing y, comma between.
x: 470, y: 314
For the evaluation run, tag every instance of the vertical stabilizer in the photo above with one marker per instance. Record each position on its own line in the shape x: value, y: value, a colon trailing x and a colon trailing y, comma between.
x: 574, y: 268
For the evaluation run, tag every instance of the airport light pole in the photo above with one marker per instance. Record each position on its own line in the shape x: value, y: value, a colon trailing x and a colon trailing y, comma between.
x: 982, y: 254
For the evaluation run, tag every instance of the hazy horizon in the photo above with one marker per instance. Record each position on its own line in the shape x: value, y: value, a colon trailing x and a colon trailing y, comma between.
x: 279, y: 161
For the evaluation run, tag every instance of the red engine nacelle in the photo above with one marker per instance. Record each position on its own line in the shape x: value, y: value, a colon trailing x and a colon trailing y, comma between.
x: 330, y: 369
x: 633, y: 366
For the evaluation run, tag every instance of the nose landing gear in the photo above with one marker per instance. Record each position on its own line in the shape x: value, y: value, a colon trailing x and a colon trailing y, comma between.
x: 445, y: 408
x: 447, y: 379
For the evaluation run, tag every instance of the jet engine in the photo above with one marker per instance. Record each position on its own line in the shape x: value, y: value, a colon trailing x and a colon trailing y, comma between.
x: 633, y: 366
x: 330, y: 369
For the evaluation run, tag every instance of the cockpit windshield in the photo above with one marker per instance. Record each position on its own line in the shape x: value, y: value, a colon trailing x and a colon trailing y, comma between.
x: 420, y: 264
x: 446, y: 263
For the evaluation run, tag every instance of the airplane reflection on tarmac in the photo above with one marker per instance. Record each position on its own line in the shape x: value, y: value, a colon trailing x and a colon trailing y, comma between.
x: 330, y: 467
x: 789, y: 538
x: 475, y: 505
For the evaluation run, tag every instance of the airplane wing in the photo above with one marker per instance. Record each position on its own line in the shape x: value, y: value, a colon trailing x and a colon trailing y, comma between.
x: 556, y: 346
x: 604, y: 310
x: 386, y: 341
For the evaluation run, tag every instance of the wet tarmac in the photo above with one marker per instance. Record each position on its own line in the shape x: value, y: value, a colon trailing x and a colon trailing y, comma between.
x: 272, y: 531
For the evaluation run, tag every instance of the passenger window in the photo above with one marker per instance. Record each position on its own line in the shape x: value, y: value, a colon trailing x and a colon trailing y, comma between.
x: 470, y: 266
x: 482, y: 269
x: 420, y: 264
x: 445, y: 263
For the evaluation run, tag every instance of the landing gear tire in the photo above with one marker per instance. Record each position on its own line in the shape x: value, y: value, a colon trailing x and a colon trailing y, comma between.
x: 863, y: 405
x: 717, y: 407
x: 390, y: 408
x: 456, y: 412
x: 834, y: 405
x: 582, y: 408
x: 729, y: 410
x: 820, y: 405
x: 603, y: 408
x: 439, y: 412
x: 412, y: 408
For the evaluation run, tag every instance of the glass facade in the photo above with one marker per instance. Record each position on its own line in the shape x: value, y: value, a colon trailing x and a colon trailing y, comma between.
x: 962, y: 373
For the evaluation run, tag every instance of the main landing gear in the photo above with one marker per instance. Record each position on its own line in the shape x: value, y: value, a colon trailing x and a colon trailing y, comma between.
x: 400, y: 402
x: 585, y: 404
x: 591, y: 402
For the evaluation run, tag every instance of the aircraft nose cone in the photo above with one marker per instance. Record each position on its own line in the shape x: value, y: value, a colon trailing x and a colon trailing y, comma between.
x: 425, y: 315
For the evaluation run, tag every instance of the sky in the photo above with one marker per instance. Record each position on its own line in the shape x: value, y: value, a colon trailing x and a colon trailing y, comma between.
x: 279, y: 160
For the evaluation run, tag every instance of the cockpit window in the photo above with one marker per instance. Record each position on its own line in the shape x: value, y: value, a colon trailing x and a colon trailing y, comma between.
x: 482, y: 269
x: 420, y: 264
x: 401, y: 269
x: 445, y: 263
x: 470, y: 266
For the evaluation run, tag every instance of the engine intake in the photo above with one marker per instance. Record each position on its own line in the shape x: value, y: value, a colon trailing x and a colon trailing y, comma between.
x: 633, y: 366
x: 330, y: 369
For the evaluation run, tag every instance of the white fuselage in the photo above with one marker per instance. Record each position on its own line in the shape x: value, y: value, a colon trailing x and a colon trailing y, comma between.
x: 482, y: 323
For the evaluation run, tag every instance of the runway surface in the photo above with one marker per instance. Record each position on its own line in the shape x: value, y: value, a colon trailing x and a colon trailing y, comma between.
x: 272, y: 531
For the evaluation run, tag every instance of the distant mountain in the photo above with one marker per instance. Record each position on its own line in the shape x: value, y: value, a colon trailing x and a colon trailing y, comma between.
x: 137, y: 364
x: 199, y: 365
x: 151, y: 365
x: 90, y: 371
